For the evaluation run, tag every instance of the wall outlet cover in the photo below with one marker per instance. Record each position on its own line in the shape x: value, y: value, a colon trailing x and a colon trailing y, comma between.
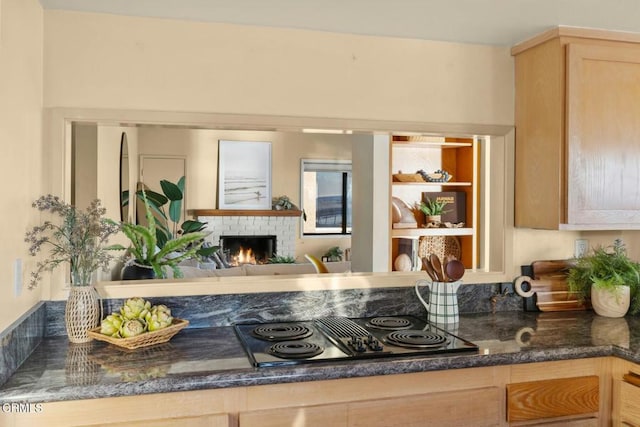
x: 581, y: 248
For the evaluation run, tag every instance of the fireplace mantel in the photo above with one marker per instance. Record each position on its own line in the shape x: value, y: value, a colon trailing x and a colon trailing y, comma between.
x: 233, y: 212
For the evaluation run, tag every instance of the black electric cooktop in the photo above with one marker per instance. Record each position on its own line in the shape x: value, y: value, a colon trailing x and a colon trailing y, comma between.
x: 341, y: 338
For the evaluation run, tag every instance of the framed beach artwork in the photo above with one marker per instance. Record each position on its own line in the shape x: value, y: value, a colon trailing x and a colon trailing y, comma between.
x: 244, y: 175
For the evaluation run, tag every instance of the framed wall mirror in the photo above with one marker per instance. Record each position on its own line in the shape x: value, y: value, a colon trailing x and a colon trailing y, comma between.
x: 124, y: 178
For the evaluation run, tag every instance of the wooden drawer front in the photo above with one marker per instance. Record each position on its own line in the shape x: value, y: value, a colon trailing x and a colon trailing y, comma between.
x: 309, y: 416
x: 478, y: 407
x: 552, y: 398
x: 629, y: 404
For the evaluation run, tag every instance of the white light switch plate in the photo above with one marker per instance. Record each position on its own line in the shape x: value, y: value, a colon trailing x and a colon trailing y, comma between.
x: 17, y: 277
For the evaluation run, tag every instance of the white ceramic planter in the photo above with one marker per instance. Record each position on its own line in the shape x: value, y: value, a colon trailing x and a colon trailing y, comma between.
x: 611, y: 304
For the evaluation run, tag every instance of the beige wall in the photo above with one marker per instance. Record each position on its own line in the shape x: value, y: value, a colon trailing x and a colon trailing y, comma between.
x: 109, y: 61
x: 20, y: 136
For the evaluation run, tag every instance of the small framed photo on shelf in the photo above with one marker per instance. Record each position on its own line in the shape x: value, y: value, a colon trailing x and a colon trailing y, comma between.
x: 244, y: 175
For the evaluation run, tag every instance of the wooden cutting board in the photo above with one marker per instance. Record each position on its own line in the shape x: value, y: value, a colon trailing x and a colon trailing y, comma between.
x: 550, y: 286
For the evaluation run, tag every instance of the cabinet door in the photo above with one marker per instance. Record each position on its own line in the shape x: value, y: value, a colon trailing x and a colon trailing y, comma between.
x: 629, y: 403
x: 477, y: 407
x: 603, y: 135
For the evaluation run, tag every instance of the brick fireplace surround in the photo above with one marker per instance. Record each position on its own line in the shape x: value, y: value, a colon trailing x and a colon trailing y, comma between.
x: 282, y: 224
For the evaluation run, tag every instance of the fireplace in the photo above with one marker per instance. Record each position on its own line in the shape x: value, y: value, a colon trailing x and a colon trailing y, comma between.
x: 248, y: 249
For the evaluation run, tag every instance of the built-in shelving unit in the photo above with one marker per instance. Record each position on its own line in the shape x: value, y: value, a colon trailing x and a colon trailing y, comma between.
x: 457, y: 156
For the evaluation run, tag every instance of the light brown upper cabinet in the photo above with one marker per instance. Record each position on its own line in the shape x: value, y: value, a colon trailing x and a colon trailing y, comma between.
x: 578, y: 130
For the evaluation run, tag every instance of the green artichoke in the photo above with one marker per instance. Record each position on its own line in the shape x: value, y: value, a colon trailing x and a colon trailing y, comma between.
x: 159, y: 317
x: 135, y: 308
x: 111, y: 324
x: 132, y: 327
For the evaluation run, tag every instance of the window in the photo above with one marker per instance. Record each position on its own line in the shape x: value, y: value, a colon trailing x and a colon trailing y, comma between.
x: 326, y: 196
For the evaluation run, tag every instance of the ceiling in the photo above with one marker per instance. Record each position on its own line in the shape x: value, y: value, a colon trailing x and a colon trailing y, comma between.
x: 494, y: 22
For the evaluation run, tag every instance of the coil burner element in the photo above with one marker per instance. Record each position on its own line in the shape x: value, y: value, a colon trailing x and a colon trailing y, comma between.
x: 281, y: 331
x: 415, y: 339
x: 295, y: 349
x: 390, y: 323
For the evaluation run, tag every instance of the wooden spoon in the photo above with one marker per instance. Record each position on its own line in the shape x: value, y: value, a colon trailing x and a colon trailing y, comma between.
x: 455, y: 270
x: 437, y: 267
x: 429, y: 269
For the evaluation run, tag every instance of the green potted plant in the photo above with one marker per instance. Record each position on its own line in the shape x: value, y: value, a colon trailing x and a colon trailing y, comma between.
x: 78, y: 239
x: 281, y: 259
x: 148, y: 259
x: 168, y: 207
x: 609, y: 278
x: 333, y: 254
x: 172, y: 197
x: 433, y: 210
x: 282, y: 203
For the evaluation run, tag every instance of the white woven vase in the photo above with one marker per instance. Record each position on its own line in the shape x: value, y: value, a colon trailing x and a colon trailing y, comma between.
x: 81, y: 313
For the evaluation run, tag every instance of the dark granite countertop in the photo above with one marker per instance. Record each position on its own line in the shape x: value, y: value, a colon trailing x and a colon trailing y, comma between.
x: 197, y: 359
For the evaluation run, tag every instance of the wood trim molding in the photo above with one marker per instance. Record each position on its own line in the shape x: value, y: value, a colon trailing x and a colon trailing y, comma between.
x: 535, y: 40
x: 576, y: 32
x: 230, y: 212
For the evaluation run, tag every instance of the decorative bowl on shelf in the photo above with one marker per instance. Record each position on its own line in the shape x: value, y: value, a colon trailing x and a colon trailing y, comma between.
x: 438, y: 176
x: 143, y: 340
x: 407, y: 177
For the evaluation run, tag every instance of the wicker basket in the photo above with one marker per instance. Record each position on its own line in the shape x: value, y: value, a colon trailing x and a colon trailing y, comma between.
x: 142, y: 340
x: 439, y: 245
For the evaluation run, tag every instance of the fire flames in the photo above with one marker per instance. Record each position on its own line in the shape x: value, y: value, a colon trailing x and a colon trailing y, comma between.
x: 245, y: 256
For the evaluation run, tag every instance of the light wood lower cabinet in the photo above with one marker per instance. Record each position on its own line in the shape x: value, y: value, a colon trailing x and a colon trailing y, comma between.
x: 210, y: 408
x: 629, y: 404
x: 626, y: 394
x: 478, y: 407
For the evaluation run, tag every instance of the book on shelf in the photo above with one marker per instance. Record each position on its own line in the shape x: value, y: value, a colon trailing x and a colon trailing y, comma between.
x: 456, y: 204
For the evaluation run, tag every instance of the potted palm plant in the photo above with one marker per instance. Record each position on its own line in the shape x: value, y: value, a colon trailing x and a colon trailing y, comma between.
x: 148, y: 259
x: 609, y: 278
x: 172, y: 198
